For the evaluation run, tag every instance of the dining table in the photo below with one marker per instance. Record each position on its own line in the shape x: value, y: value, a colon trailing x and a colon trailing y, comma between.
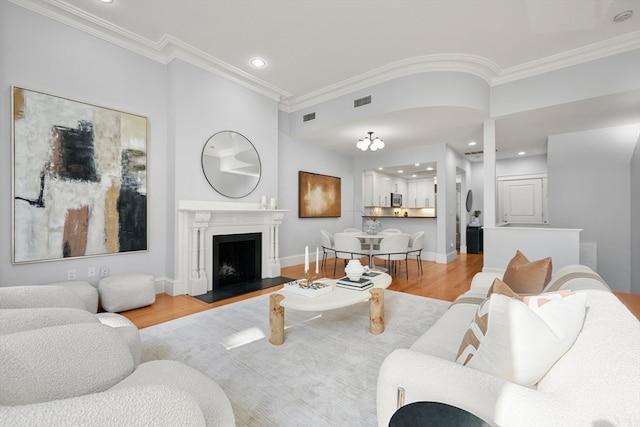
x: 371, y: 239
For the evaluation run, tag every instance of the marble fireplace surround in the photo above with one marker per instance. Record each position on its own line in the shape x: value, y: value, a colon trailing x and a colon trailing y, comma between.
x: 199, y: 221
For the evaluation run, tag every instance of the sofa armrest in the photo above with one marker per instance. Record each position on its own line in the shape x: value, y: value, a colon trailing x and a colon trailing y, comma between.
x: 211, y: 399
x: 482, y: 281
x: 35, y: 296
x: 427, y: 378
x: 576, y: 277
x: 14, y: 320
x: 151, y: 405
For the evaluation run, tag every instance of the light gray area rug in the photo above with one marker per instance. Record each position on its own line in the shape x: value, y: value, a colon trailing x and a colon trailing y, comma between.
x: 324, y: 374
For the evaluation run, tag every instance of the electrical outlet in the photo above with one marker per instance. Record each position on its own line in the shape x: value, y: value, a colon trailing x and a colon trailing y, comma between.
x: 104, y: 271
x: 71, y: 274
x: 91, y: 272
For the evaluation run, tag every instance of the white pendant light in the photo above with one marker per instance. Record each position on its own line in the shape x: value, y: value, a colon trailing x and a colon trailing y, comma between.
x: 370, y: 143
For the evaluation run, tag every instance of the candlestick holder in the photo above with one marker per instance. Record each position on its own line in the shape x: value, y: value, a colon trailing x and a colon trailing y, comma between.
x: 308, y: 279
x: 308, y: 282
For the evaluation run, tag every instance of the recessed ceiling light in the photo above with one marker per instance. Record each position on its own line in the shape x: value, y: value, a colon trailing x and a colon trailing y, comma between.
x: 106, y: 1
x: 258, y: 62
x: 400, y: 171
x: 522, y: 153
x: 623, y: 16
x: 472, y: 143
x: 416, y: 164
x: 414, y: 176
x: 429, y: 168
x: 379, y: 169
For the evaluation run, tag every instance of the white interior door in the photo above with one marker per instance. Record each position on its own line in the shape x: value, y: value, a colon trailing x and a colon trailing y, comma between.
x: 523, y: 201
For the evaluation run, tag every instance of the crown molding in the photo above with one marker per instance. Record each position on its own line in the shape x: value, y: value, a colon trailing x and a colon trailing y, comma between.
x: 569, y: 58
x: 481, y: 67
x: 76, y: 18
x: 173, y: 48
x: 164, y: 51
x: 471, y: 64
x: 169, y: 48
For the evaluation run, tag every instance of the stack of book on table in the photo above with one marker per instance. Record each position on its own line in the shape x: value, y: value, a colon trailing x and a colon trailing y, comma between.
x: 359, y: 285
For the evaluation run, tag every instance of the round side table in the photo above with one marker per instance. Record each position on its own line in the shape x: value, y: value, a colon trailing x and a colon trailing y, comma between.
x: 431, y: 414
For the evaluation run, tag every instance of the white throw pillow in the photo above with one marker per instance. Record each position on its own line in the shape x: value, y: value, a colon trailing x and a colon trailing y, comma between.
x: 519, y: 339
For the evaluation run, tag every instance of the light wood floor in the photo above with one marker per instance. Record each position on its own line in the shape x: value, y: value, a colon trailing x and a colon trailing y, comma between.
x: 441, y: 281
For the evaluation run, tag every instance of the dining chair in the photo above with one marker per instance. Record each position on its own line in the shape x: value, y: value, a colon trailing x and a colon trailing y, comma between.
x: 415, y: 247
x: 364, y: 244
x: 393, y: 249
x: 387, y: 231
x: 391, y: 231
x: 328, y: 245
x: 347, y: 247
x: 352, y: 230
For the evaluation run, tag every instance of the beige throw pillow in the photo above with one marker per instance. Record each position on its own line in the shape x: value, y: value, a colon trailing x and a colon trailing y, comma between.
x: 527, y: 277
x: 519, y: 339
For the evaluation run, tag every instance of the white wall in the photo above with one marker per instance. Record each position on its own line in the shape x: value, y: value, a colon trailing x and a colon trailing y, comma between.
x: 599, y: 210
x: 635, y: 219
x: 501, y: 244
x: 612, y: 74
x: 59, y: 60
x: 589, y: 188
x: 203, y: 104
x: 476, y: 185
x: 427, y: 89
x: 200, y: 105
x: 526, y: 165
x: 295, y: 156
x: 185, y: 106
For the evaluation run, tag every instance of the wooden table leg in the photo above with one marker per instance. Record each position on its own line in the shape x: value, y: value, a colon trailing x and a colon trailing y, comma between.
x: 276, y: 319
x: 376, y: 311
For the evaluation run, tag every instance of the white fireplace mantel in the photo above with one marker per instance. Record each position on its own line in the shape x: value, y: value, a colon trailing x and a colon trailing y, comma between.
x: 198, y: 221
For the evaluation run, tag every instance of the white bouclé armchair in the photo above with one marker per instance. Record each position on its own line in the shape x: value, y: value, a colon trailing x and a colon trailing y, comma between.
x: 62, y: 366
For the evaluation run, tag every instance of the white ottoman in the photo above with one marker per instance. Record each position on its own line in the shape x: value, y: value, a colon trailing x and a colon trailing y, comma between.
x: 126, y: 291
x: 85, y: 291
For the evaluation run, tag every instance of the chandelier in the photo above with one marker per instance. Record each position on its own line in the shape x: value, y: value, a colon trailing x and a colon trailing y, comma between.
x: 370, y: 142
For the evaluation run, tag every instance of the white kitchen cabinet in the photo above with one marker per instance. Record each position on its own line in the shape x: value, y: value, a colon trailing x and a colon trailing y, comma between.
x: 420, y: 193
x: 377, y: 189
x: 430, y: 195
x: 385, y: 188
x: 369, y: 194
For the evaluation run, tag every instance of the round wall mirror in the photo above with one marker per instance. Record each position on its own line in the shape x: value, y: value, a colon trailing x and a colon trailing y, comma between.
x: 231, y: 164
x: 469, y: 200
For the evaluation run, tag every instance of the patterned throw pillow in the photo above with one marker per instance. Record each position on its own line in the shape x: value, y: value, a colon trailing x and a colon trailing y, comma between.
x: 527, y: 277
x: 520, y: 338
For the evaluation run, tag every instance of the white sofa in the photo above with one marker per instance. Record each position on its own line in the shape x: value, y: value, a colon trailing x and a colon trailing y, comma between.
x: 62, y: 366
x: 595, y: 383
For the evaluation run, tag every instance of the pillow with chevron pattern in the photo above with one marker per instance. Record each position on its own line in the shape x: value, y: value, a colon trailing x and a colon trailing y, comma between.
x: 520, y: 338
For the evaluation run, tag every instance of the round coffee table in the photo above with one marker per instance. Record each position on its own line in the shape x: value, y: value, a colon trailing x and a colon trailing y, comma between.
x: 337, y: 298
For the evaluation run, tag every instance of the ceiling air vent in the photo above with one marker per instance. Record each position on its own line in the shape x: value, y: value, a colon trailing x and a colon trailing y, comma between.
x: 307, y: 117
x: 473, y: 153
x: 362, y: 101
